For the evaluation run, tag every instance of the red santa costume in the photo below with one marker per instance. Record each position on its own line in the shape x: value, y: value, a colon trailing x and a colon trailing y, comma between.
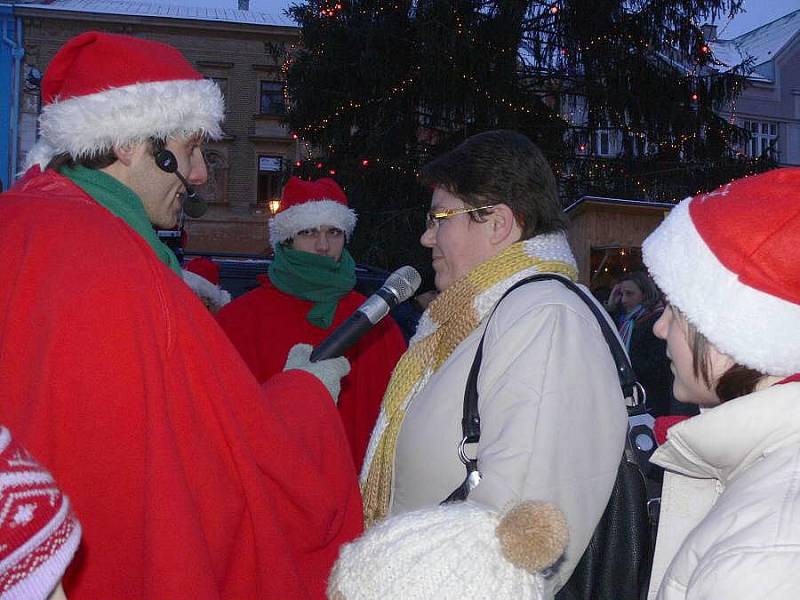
x: 190, y: 480
x: 266, y: 322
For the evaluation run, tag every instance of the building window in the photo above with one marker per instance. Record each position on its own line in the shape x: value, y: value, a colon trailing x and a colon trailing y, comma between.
x: 270, y: 177
x: 602, y: 142
x: 763, y: 138
x: 272, y: 99
x: 215, y: 189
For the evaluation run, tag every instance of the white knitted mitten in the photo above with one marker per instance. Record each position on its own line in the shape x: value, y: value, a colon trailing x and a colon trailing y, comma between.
x: 329, y: 371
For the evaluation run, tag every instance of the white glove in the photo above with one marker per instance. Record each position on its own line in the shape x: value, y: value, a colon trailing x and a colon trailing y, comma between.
x: 329, y: 371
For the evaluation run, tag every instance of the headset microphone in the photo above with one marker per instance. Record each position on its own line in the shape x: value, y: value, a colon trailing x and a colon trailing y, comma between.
x: 193, y: 205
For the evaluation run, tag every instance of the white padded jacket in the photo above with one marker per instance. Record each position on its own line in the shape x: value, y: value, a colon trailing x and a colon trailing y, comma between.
x: 730, y: 517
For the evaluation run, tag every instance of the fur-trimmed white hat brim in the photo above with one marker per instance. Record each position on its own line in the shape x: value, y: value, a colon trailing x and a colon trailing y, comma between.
x: 756, y: 329
x: 83, y: 126
x: 213, y: 294
x: 309, y: 215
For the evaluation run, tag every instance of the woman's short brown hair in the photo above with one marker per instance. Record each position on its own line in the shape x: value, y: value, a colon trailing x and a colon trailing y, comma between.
x: 501, y: 167
x: 737, y: 381
x: 651, y: 295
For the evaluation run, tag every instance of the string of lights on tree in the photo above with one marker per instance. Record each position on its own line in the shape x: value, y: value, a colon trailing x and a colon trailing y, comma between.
x: 563, y: 50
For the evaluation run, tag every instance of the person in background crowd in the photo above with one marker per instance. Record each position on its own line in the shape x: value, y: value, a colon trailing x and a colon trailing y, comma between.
x: 636, y: 304
x: 307, y: 294
x: 202, y: 275
x: 730, y: 518
x: 39, y: 533
x: 553, y: 419
x: 190, y: 479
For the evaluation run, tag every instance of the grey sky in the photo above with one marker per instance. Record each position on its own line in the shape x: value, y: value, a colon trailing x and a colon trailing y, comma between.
x: 757, y: 12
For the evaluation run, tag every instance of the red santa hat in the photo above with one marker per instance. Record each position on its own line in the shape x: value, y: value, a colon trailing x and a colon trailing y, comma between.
x: 102, y: 90
x: 728, y: 261
x: 311, y: 204
x: 38, y: 530
x: 202, y: 275
x: 204, y: 267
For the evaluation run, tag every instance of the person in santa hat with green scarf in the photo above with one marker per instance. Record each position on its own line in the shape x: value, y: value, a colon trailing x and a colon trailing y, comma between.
x: 307, y: 294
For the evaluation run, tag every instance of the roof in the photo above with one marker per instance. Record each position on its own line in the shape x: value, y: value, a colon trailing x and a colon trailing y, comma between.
x: 618, y: 202
x: 162, y: 10
x: 762, y: 43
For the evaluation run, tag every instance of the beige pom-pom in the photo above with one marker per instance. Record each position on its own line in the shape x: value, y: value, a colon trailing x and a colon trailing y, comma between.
x: 533, y: 535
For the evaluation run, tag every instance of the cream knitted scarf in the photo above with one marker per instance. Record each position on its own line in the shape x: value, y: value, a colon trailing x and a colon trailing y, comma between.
x: 450, y: 318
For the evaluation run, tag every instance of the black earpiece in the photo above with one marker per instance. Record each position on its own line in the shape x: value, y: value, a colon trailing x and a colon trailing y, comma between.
x: 166, y: 161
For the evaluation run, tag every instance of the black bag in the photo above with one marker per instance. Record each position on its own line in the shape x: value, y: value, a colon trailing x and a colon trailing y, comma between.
x: 616, y: 564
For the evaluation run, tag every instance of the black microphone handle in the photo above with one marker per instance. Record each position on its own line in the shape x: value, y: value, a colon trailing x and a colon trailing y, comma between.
x: 344, y: 336
x: 190, y: 193
x: 193, y: 205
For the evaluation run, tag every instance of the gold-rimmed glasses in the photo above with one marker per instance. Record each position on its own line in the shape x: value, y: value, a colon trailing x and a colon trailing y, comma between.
x: 434, y: 216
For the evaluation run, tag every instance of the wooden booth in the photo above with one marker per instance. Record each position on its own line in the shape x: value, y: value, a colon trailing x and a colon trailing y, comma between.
x: 606, y: 235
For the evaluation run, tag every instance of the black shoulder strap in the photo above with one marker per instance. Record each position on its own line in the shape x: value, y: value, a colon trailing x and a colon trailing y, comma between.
x: 471, y: 420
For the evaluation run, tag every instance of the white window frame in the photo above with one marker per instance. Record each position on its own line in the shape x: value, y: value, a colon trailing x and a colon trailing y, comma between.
x: 604, y: 142
x: 763, y: 137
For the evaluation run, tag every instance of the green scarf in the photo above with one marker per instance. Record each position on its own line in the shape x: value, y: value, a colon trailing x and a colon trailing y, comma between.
x: 123, y: 203
x: 318, y: 279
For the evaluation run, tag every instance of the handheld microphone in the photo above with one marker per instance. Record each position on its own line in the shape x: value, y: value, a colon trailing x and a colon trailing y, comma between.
x: 193, y: 205
x: 399, y: 287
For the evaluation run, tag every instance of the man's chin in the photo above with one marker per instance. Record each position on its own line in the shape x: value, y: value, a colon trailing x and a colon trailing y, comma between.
x: 167, y: 224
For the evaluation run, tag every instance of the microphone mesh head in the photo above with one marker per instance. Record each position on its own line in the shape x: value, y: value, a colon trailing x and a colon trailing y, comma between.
x: 403, y: 283
x: 195, y: 207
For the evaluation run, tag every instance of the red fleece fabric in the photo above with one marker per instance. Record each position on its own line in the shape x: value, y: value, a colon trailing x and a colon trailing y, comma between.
x: 190, y: 481
x: 663, y: 424
x: 266, y: 322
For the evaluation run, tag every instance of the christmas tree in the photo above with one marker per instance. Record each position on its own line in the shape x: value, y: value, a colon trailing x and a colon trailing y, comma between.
x: 621, y: 97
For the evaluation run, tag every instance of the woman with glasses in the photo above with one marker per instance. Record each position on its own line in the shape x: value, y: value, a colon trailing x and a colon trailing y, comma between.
x: 553, y: 418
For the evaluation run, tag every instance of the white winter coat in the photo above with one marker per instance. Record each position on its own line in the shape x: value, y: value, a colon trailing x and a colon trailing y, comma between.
x: 730, y: 516
x: 553, y: 419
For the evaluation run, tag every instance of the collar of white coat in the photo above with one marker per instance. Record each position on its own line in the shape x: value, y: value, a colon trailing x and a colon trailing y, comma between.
x: 722, y: 442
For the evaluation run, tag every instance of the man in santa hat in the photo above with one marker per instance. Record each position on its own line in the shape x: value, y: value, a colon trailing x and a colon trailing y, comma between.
x: 190, y: 479
x: 307, y: 294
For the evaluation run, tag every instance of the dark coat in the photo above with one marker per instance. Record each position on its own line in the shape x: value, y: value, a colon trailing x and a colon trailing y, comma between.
x: 649, y: 359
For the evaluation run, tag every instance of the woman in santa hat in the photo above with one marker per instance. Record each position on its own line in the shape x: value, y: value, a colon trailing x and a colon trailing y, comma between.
x: 730, y: 518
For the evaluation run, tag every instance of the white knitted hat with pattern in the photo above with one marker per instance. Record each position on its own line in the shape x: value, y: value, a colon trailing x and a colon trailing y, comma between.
x: 453, y: 552
x: 39, y: 533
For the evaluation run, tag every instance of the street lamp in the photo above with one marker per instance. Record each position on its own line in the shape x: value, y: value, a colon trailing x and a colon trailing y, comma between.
x: 274, y: 205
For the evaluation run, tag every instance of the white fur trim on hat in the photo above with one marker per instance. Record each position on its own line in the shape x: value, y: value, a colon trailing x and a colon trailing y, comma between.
x: 310, y: 215
x: 758, y: 330
x: 215, y: 295
x: 448, y: 552
x: 87, y: 125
